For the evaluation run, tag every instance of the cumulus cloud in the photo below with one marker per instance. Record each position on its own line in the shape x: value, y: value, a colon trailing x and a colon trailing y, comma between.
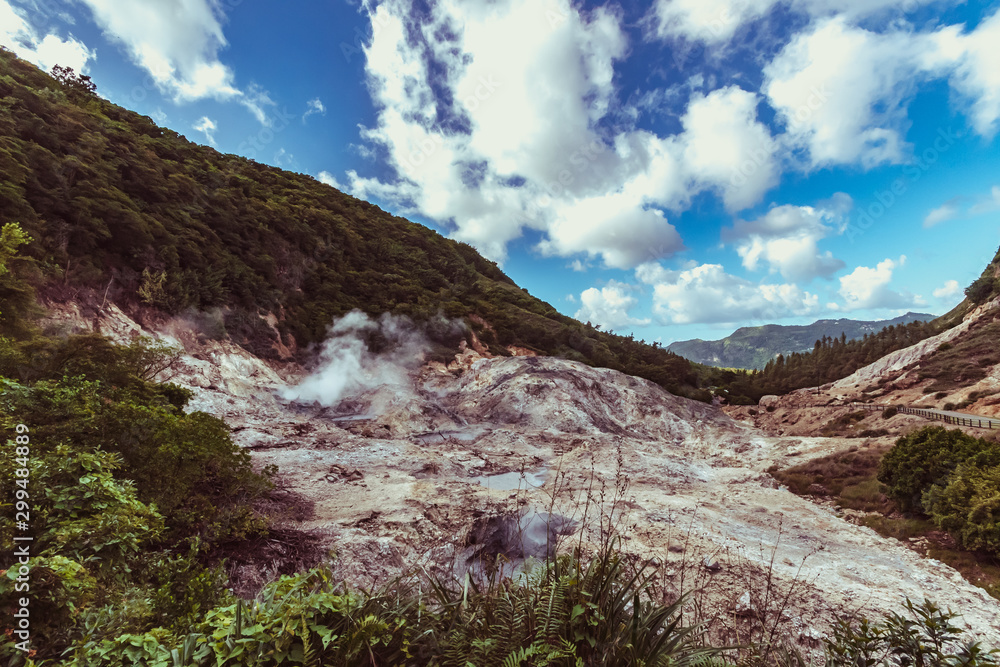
x: 786, y: 239
x: 842, y: 91
x: 177, y: 42
x: 947, y: 211
x: 492, y: 141
x: 716, y: 21
x: 206, y: 126
x: 706, y: 294
x: 609, y: 306
x: 949, y: 290
x: 977, y: 76
x: 329, y: 179
x: 727, y: 148
x: 867, y: 288
x: 46, y: 51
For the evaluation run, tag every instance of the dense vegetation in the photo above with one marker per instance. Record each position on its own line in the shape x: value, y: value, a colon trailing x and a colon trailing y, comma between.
x: 124, y: 492
x: 938, y: 493
x: 753, y: 347
x: 987, y: 286
x: 953, y: 478
x: 121, y: 207
x: 829, y: 360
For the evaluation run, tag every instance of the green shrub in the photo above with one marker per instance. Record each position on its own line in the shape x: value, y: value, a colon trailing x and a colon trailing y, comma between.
x: 926, y: 636
x: 890, y: 412
x: 968, y: 505
x: 562, y: 613
x: 982, y: 289
x: 925, y: 458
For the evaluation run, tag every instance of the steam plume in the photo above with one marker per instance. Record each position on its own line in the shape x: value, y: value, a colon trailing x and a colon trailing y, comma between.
x: 361, y: 354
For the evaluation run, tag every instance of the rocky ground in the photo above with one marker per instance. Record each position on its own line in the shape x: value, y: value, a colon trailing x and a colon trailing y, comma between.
x: 484, y: 456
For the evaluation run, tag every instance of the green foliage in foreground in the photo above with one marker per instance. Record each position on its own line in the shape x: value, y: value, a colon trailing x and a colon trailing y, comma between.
x: 562, y: 614
x: 123, y: 490
x: 952, y: 477
x: 925, y: 637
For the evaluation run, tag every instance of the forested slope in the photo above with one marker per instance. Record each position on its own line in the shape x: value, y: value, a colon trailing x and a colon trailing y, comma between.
x: 116, y: 204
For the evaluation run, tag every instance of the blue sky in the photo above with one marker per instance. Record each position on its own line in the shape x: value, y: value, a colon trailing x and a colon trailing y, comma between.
x: 673, y: 168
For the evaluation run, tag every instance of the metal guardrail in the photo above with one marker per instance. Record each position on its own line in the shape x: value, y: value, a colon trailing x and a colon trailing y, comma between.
x: 973, y: 421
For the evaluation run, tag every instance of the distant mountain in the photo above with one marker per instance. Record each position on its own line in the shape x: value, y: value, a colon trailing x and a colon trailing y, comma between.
x: 753, y: 347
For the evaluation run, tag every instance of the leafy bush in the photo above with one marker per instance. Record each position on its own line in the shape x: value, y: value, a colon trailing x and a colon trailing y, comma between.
x: 185, y: 464
x: 563, y: 613
x: 982, y: 289
x: 925, y: 458
x: 968, y: 505
x: 926, y: 637
x: 890, y: 412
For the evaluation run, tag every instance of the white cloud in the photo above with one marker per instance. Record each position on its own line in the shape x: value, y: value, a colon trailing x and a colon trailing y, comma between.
x: 786, y: 238
x: 206, y: 126
x: 868, y: 288
x: 177, y: 42
x: 716, y: 21
x: 947, y: 211
x: 329, y: 179
x: 615, y: 228
x: 964, y: 207
x: 977, y: 77
x: 45, y: 51
x: 725, y: 147
x: 520, y: 142
x: 842, y: 91
x: 706, y: 294
x: 609, y: 306
x: 950, y: 290
x: 314, y: 106
x: 706, y: 20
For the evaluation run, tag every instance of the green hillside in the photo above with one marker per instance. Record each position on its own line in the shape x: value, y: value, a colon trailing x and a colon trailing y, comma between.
x: 116, y: 204
x: 753, y: 347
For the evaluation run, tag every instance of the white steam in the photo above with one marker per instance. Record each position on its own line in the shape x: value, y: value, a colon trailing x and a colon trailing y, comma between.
x: 348, y: 368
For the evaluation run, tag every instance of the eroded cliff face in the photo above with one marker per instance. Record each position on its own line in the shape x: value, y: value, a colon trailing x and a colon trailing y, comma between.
x: 505, y: 456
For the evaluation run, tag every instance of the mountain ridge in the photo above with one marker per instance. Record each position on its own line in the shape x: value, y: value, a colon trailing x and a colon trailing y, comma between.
x: 752, y: 347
